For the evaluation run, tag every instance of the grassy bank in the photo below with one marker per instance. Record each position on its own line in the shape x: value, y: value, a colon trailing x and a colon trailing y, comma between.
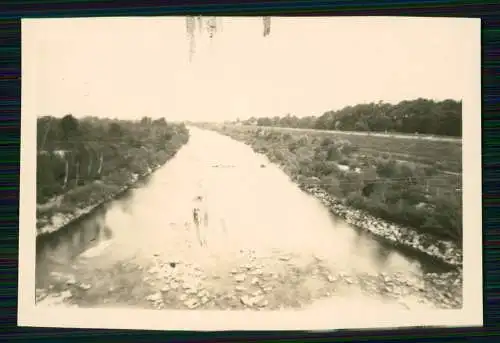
x: 83, y: 163
x: 417, y: 203
x: 441, y: 153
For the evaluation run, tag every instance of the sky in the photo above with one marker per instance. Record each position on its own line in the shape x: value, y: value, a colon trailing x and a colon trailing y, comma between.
x: 128, y: 68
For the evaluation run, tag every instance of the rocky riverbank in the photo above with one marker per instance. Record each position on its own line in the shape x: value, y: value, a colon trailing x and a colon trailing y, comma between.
x: 444, y: 251
x: 248, y: 281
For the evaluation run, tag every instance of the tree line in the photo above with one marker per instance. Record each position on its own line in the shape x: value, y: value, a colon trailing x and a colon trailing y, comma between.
x: 72, y: 152
x: 422, y: 116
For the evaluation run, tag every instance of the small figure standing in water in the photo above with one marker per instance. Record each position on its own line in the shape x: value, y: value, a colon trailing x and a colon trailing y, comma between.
x: 196, y: 220
x: 196, y: 213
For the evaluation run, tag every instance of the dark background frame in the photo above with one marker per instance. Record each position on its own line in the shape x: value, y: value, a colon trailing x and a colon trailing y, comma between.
x: 10, y: 104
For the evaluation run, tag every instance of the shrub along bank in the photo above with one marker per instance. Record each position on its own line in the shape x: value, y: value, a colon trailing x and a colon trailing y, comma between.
x: 408, y: 203
x: 82, y: 163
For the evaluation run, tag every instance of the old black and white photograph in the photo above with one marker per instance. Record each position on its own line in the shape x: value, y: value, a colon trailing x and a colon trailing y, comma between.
x: 241, y: 173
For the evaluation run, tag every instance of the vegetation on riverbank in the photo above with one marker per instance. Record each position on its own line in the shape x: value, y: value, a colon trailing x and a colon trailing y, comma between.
x: 82, y: 163
x: 421, y: 116
x: 442, y: 154
x: 403, y: 192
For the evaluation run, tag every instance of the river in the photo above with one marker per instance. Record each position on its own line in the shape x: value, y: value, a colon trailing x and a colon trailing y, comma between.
x: 250, y: 207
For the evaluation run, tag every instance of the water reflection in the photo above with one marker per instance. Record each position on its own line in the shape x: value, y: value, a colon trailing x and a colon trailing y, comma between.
x: 248, y: 207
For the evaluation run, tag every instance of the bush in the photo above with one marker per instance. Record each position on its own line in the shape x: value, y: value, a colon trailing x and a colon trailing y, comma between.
x: 333, y: 153
x: 356, y: 200
x: 327, y: 141
x: 386, y: 168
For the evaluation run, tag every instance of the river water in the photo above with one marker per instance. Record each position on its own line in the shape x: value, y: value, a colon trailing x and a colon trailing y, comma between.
x: 247, y: 203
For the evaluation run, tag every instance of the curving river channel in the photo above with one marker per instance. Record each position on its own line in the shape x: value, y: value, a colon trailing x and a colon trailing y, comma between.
x: 262, y: 243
